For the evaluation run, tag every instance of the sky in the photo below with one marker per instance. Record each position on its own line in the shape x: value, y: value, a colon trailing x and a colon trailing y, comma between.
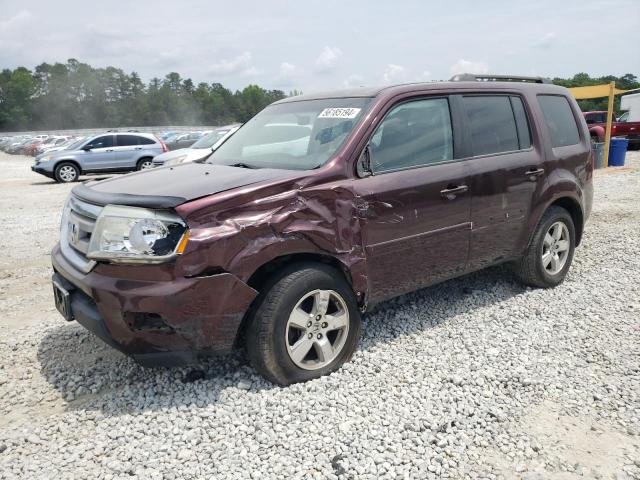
x: 312, y: 45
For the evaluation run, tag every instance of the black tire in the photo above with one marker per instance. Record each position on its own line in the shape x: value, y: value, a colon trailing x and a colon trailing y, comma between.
x: 144, y: 163
x: 266, y: 333
x: 530, y: 270
x: 66, y: 172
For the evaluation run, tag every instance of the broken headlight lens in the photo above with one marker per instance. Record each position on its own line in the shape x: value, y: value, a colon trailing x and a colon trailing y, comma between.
x: 131, y: 234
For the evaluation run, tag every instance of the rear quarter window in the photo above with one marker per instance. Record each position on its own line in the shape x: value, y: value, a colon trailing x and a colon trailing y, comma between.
x: 145, y: 141
x: 127, y: 140
x: 559, y: 119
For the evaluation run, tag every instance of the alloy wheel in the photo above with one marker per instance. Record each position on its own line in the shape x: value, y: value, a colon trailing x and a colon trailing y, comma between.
x: 555, y: 248
x: 317, y: 329
x: 67, y: 173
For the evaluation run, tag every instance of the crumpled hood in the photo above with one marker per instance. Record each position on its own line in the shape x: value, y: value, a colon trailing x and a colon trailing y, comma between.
x: 168, y: 187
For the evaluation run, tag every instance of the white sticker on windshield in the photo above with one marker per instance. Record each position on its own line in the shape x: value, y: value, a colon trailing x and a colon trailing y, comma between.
x: 339, y: 113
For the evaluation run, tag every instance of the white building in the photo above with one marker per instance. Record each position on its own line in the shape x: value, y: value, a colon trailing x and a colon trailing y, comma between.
x: 631, y: 103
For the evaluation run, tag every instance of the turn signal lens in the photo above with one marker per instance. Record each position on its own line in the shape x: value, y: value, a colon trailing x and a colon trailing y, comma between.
x: 183, y: 242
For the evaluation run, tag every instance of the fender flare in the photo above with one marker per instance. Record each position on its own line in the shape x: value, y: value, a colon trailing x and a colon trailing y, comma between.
x: 568, y: 190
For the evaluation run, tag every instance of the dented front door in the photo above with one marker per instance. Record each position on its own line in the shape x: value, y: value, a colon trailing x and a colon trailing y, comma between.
x: 416, y: 226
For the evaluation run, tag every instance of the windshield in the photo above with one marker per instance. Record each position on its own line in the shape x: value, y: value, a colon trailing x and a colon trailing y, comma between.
x: 297, y: 135
x: 211, y: 139
x: 76, y: 143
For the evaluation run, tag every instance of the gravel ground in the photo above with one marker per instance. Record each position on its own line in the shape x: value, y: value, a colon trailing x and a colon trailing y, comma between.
x: 475, y: 378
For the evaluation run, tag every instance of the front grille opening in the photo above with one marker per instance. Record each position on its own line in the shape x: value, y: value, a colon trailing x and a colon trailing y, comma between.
x: 147, y: 322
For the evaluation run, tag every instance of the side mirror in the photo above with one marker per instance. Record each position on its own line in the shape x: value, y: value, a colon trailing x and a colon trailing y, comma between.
x: 363, y: 165
x: 87, y: 148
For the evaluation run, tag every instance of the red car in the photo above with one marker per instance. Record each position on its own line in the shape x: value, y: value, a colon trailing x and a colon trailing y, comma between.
x: 597, y: 123
x: 280, y: 239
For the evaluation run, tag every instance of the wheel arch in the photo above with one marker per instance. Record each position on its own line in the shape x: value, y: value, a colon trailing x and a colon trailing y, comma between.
x: 261, y: 275
x: 259, y: 279
x: 67, y: 160
x: 575, y: 210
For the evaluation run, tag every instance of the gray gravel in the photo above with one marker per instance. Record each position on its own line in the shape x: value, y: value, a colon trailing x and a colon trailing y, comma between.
x: 475, y: 378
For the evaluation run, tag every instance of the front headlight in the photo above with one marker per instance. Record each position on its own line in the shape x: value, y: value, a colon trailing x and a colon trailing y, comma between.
x: 46, y: 158
x: 176, y: 161
x: 137, y: 235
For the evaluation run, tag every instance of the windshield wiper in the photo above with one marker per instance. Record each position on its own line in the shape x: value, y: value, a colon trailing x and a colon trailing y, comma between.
x: 242, y: 165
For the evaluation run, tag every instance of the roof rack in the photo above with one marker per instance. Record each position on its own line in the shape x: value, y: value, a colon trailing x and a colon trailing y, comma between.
x: 471, y: 77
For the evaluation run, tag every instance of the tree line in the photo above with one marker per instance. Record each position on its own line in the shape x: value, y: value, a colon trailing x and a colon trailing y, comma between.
x: 77, y: 95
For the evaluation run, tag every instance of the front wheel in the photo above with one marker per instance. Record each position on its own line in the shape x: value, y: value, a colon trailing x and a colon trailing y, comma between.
x: 66, y: 172
x: 547, y: 260
x: 305, y: 324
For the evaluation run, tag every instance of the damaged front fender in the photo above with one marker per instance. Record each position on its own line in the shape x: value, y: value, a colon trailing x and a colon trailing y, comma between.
x: 241, y: 236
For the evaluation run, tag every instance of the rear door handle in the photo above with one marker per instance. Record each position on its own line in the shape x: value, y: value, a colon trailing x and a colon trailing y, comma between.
x: 108, y: 150
x: 450, y: 193
x: 534, y: 173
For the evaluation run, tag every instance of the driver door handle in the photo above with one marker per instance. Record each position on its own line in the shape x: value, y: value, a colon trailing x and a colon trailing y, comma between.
x: 450, y: 193
x: 534, y: 173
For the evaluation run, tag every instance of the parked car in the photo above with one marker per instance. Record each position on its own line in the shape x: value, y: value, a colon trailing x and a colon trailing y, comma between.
x: 53, y: 143
x: 48, y: 144
x: 166, y: 135
x: 16, y: 143
x: 280, y: 253
x: 104, y: 153
x: 621, y: 127
x: 198, y: 150
x: 184, y: 140
x: 25, y: 146
x: 63, y: 146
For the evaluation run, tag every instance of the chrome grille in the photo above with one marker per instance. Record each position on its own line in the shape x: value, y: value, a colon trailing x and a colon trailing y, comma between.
x: 78, y: 222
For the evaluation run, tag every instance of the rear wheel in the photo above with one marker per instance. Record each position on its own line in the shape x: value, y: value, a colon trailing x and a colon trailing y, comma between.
x: 548, y: 258
x: 305, y: 324
x: 144, y: 164
x: 66, y: 172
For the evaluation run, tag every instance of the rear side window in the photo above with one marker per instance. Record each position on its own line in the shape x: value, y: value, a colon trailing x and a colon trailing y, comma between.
x: 145, y: 141
x: 492, y: 124
x: 559, y: 119
x: 127, y: 140
x: 413, y: 134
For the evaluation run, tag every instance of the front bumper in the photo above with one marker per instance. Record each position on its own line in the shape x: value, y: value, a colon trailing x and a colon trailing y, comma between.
x: 38, y: 169
x: 153, y: 316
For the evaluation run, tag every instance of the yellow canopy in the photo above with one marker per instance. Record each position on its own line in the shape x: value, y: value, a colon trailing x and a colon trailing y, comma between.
x: 595, y: 91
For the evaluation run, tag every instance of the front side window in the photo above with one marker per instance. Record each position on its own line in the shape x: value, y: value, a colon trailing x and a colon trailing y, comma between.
x: 492, y: 124
x: 298, y: 135
x: 560, y: 120
x: 104, y: 141
x: 413, y: 134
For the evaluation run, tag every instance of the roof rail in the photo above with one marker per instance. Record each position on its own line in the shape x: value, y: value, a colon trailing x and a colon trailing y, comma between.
x: 472, y: 77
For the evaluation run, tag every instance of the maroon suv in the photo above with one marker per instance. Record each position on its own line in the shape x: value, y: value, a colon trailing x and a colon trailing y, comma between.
x: 319, y: 207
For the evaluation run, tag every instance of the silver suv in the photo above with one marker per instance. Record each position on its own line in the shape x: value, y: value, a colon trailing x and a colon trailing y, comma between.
x: 104, y: 153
